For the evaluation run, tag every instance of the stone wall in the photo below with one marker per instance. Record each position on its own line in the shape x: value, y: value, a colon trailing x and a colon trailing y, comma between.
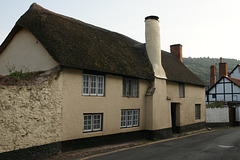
x: 30, y: 115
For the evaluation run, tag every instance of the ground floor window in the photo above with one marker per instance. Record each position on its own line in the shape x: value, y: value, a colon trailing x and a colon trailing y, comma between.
x: 92, y: 122
x: 129, y: 118
x: 197, y: 111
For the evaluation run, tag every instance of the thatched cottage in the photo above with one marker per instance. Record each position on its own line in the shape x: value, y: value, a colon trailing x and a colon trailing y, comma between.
x: 112, y: 88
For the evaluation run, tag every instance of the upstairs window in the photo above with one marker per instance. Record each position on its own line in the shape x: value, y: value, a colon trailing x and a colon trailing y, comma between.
x: 181, y: 90
x: 130, y: 87
x: 93, y: 85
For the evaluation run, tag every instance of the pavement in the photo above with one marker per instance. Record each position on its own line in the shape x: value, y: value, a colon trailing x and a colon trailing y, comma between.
x: 87, y: 153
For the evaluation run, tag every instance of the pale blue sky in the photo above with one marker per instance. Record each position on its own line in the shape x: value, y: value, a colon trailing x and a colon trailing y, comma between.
x: 204, y: 27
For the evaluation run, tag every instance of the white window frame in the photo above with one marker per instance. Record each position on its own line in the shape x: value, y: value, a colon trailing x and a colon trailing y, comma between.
x: 100, y: 85
x: 123, y: 118
x: 88, y: 118
x: 130, y: 87
x: 93, y: 84
x: 135, y: 117
x: 85, y: 85
x: 129, y: 118
x: 94, y: 121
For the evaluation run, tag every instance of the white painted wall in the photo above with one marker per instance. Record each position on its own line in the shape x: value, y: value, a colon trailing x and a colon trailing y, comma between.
x: 25, y: 53
x: 217, y: 115
x: 219, y: 88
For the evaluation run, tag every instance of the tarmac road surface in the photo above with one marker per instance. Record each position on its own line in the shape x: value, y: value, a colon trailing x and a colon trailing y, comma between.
x: 217, y: 145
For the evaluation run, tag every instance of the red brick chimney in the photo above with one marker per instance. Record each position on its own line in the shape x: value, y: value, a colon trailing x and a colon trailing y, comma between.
x: 213, y: 75
x: 176, y: 49
x: 222, y: 68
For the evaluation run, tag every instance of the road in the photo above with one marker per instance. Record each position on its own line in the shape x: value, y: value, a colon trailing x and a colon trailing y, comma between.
x: 220, y: 145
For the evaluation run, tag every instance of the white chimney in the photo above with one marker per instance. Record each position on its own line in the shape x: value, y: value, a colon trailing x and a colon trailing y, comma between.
x: 153, y: 47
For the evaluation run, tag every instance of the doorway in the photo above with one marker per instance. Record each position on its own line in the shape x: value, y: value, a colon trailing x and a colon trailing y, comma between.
x: 232, y: 116
x: 175, y: 114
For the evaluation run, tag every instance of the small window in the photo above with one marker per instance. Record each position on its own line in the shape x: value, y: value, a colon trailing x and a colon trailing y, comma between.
x: 181, y: 90
x: 93, y: 85
x: 214, y: 96
x: 130, y: 87
x: 92, y: 122
x: 129, y: 118
x: 197, y: 111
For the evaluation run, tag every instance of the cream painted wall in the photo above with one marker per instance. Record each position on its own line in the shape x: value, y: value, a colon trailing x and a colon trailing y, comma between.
x: 155, y: 111
x: 158, y: 111
x: 75, y: 105
x: 193, y: 95
x: 161, y: 107
x: 25, y: 53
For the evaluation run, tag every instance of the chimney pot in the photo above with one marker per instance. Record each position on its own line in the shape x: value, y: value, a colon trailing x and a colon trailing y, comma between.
x: 152, y: 17
x: 213, y: 75
x: 176, y: 49
x: 222, y: 68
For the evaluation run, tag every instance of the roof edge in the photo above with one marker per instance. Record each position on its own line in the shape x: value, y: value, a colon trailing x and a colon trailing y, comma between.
x: 9, y: 38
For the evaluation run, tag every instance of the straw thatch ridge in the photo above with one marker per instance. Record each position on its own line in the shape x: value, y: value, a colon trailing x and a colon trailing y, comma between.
x: 76, y: 44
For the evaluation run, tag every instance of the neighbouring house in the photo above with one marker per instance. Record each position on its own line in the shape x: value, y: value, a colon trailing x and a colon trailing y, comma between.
x: 227, y: 88
x: 109, y: 87
x: 227, y: 91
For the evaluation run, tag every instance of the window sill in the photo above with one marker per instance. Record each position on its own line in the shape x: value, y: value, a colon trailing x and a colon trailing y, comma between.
x: 129, y: 127
x: 92, y: 131
x: 87, y: 95
x: 129, y: 97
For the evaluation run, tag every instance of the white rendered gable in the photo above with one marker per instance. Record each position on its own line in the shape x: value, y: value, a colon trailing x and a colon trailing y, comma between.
x: 25, y: 53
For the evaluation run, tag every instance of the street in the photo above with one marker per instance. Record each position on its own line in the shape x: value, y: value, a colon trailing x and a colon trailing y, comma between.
x: 221, y: 144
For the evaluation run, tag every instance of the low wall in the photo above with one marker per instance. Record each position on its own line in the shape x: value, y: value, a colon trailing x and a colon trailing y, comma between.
x: 30, y: 115
x: 217, y: 117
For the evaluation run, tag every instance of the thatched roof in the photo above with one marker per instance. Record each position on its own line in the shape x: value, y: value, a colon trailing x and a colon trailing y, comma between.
x: 75, y: 44
x: 176, y: 71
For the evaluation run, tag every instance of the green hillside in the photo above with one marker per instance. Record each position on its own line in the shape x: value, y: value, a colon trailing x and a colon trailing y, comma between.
x: 201, y: 66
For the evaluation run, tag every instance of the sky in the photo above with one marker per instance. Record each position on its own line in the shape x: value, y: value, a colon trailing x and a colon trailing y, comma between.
x: 205, y: 28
